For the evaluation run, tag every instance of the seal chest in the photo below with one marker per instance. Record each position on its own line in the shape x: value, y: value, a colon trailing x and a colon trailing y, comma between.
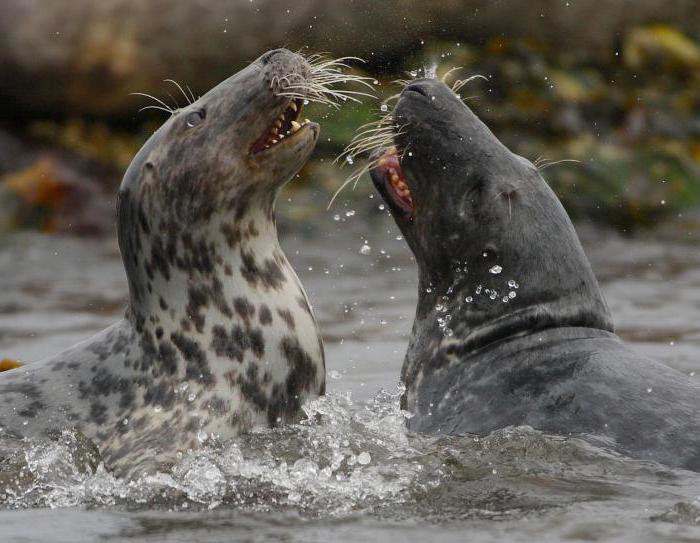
x: 218, y: 336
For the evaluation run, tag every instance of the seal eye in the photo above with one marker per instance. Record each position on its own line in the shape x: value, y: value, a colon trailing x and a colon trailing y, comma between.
x: 194, y: 118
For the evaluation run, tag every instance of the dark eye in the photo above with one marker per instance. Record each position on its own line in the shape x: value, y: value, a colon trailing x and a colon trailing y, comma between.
x: 194, y: 118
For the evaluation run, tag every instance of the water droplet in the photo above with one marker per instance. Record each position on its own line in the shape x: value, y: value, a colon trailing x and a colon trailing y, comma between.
x: 364, y: 458
x: 384, y: 108
x: 350, y: 213
x: 649, y: 389
x: 202, y: 436
x: 336, y: 217
x: 349, y: 159
x: 365, y: 249
x: 513, y: 284
x: 469, y: 299
x: 511, y: 294
x: 496, y: 269
x: 478, y: 289
x: 125, y: 422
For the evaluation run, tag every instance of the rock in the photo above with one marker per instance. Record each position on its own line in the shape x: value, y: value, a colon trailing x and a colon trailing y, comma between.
x: 82, y: 57
x: 51, y: 197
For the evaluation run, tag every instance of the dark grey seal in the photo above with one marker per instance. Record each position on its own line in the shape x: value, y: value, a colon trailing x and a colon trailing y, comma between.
x: 511, y: 327
x: 218, y: 336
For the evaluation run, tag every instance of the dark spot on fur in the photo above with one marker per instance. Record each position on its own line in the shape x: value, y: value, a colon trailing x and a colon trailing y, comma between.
x: 269, y: 274
x: 265, y: 315
x: 250, y: 388
x: 225, y: 345
x: 98, y: 412
x: 167, y: 357
x: 231, y: 234
x: 287, y: 317
x: 244, y: 308
x: 304, y: 304
x: 197, y: 366
x: 197, y: 299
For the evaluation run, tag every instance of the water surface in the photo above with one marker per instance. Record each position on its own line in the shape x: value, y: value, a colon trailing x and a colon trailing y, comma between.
x: 352, y: 473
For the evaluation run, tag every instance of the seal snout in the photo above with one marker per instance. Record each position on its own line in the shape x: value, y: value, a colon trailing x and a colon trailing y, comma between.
x: 288, y: 74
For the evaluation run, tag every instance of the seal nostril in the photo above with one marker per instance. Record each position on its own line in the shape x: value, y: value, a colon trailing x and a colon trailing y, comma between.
x: 267, y: 57
x: 417, y: 88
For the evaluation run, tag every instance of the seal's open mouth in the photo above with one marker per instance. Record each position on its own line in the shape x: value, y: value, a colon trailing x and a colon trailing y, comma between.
x: 388, y: 170
x: 284, y: 126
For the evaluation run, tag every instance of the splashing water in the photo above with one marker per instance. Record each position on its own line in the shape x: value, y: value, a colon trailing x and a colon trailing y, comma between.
x: 343, y: 458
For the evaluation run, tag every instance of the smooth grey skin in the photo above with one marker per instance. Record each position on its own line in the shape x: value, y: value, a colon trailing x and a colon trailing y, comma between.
x: 218, y: 336
x: 548, y: 357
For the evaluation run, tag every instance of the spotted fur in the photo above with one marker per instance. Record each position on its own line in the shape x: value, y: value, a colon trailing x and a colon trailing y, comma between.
x: 218, y: 336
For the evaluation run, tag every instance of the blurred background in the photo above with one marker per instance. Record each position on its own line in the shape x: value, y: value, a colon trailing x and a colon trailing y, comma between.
x: 614, y: 85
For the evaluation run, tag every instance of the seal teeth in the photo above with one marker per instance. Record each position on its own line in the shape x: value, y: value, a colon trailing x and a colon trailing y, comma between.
x: 285, y: 124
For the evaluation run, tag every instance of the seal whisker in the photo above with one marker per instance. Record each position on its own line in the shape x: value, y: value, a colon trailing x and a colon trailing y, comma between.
x: 457, y: 86
x: 449, y: 72
x: 166, y: 106
x: 180, y: 88
x: 544, y: 164
x: 353, y: 177
x: 191, y: 94
x: 177, y: 104
x: 324, y: 74
x: 156, y: 107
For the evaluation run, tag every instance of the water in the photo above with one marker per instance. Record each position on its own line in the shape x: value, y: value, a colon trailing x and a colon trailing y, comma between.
x: 351, y: 473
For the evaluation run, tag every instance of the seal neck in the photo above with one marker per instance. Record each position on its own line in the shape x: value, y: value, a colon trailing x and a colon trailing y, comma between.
x: 476, y: 311
x: 179, y: 275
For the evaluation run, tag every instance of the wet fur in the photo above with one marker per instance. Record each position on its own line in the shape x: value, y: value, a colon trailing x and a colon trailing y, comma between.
x: 218, y: 336
x: 547, y: 358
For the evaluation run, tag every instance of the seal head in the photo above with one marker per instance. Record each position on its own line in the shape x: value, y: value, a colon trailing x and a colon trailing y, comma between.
x: 478, y: 217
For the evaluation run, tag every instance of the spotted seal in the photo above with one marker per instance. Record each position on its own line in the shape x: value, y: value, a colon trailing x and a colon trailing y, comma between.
x: 218, y: 336
x: 511, y: 327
